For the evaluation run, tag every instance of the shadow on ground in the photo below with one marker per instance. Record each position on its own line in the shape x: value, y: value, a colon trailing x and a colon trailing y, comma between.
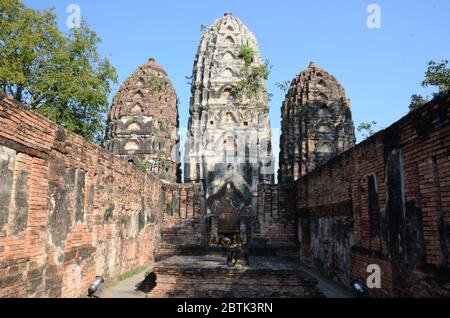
x: 148, y: 284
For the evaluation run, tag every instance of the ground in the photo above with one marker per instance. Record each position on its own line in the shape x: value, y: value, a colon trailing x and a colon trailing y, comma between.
x: 130, y: 287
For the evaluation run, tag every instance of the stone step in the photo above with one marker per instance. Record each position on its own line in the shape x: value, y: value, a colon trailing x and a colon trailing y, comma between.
x: 168, y: 250
x: 208, y: 276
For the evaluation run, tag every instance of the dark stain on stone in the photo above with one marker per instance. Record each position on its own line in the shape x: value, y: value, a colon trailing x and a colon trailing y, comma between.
x: 33, y: 284
x: 8, y: 281
x: 37, y: 272
x: 21, y: 201
x: 34, y: 280
x: 90, y: 203
x: 61, y: 135
x: 53, y: 282
x: 79, y: 196
x: 60, y: 188
x: 151, y: 218
x: 86, y: 252
x: 109, y: 213
x: 91, y: 197
x: 415, y: 241
x: 6, y: 175
x: 374, y: 208
x: 142, y: 215
x: 394, y: 211
x: 70, y: 256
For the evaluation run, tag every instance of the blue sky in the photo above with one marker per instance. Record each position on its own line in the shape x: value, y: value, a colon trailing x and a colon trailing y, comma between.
x: 379, y: 68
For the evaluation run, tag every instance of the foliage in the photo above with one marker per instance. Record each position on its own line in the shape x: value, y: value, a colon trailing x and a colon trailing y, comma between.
x: 214, y: 38
x: 203, y: 28
x: 367, y: 129
x: 437, y: 74
x: 247, y: 54
x: 156, y: 82
x: 143, y: 165
x: 59, y: 75
x: 189, y: 79
x: 417, y: 101
x: 251, y: 75
x: 284, y: 86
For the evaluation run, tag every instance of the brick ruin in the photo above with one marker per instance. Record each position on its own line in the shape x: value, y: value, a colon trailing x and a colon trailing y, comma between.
x: 385, y: 202
x: 143, y: 121
x: 228, y: 149
x: 316, y: 123
x: 70, y: 210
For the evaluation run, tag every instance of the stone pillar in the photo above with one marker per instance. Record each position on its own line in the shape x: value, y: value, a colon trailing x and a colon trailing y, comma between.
x: 202, y: 203
x: 214, y: 231
x: 253, y: 209
x: 243, y: 229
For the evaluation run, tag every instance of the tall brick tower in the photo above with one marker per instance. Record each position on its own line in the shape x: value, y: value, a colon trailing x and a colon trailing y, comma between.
x: 142, y: 124
x: 316, y: 123
x: 228, y: 148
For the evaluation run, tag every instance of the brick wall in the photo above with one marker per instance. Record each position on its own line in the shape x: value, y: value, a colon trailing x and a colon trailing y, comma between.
x: 275, y: 223
x: 385, y: 202
x: 185, y: 228
x: 69, y: 210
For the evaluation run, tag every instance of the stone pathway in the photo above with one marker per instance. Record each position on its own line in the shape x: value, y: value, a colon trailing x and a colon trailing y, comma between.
x: 330, y: 288
x: 125, y: 289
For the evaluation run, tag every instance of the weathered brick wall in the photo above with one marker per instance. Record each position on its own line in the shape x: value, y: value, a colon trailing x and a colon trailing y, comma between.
x: 385, y: 202
x: 185, y: 227
x: 325, y: 224
x: 69, y: 210
x: 275, y: 222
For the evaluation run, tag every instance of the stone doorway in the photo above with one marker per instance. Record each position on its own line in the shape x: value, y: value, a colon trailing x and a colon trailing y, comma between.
x: 229, y: 222
x: 228, y: 217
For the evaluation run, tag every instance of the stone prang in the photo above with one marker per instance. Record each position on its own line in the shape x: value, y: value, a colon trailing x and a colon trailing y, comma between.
x: 316, y: 123
x: 228, y: 148
x: 143, y: 122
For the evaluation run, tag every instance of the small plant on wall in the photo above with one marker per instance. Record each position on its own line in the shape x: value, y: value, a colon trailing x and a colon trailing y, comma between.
x: 204, y: 29
x: 143, y: 165
x: 156, y: 82
x: 252, y: 76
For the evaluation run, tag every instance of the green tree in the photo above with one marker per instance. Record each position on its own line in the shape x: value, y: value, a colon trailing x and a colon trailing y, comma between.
x: 367, y: 129
x: 58, y: 75
x: 438, y: 75
x: 284, y: 86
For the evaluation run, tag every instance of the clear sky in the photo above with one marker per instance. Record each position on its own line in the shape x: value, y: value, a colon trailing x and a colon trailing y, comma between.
x: 379, y: 68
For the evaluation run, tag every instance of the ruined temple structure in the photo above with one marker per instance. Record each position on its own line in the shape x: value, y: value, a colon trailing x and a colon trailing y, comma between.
x: 71, y: 210
x: 316, y: 123
x: 228, y: 148
x: 143, y: 122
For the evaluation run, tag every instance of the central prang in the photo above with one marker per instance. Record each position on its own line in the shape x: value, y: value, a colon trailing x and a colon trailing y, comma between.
x: 228, y: 148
